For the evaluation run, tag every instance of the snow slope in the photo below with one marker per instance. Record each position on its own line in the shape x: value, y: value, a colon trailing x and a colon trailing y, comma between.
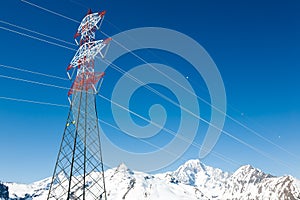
x: 193, y: 180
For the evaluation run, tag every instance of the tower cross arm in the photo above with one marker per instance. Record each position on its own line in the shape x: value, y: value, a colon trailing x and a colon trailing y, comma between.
x: 88, y: 52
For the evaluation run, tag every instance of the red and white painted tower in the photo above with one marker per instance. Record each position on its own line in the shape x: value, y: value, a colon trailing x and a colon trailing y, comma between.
x: 79, y: 170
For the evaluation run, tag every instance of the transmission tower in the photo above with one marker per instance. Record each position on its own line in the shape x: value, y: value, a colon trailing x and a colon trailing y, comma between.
x: 79, y: 172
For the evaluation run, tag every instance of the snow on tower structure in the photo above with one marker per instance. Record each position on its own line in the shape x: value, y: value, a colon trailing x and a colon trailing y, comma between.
x: 79, y: 172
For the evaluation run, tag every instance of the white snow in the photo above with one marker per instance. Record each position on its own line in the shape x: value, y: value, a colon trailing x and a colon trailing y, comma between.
x: 193, y: 180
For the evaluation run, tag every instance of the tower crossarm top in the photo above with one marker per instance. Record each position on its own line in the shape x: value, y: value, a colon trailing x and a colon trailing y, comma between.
x: 89, y: 24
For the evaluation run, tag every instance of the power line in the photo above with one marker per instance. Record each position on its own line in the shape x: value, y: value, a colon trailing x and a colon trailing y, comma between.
x: 171, y: 101
x: 32, y: 72
x: 33, y: 82
x: 50, y: 11
x: 34, y: 102
x: 36, y: 38
x: 151, y: 122
x: 203, y: 100
x: 38, y: 33
x: 214, y: 153
x: 233, y: 137
x: 197, y: 145
x: 60, y: 87
x: 218, y: 155
x: 196, y: 116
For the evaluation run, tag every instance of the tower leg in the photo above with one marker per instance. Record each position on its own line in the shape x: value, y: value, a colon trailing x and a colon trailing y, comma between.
x: 79, y: 171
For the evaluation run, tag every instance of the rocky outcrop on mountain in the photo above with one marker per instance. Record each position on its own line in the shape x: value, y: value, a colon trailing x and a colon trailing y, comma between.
x: 3, y: 192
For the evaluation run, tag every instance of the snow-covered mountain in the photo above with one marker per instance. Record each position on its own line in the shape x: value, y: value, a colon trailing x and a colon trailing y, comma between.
x: 193, y: 180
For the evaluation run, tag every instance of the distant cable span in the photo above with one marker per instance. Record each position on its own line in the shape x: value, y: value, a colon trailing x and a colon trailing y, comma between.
x: 236, y: 121
x: 50, y: 11
x: 38, y: 33
x: 60, y: 87
x: 31, y: 101
x: 32, y: 72
x: 218, y: 155
x: 36, y: 38
x: 197, y: 145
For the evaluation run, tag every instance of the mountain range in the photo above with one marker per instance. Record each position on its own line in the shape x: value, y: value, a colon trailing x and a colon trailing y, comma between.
x: 192, y: 180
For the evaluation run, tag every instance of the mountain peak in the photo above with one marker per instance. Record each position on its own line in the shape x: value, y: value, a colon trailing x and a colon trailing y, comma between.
x: 246, y: 168
x: 124, y: 169
x: 193, y: 165
x: 247, y: 174
x: 193, y: 161
x: 187, y: 172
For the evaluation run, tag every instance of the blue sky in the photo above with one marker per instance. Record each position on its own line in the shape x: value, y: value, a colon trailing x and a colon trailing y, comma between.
x: 255, y: 45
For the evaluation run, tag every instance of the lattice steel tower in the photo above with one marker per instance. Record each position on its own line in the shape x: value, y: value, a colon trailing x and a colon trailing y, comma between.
x: 78, y: 172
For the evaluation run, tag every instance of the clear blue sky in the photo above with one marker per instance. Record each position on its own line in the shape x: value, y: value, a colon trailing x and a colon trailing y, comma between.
x: 255, y: 45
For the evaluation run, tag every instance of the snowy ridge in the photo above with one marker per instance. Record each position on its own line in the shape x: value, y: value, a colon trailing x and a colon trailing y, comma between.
x: 250, y: 183
x: 193, y: 180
